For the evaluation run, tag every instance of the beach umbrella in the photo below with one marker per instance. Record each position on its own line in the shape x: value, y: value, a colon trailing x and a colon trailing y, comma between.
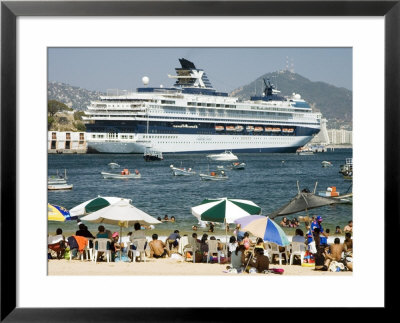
x: 265, y: 228
x: 58, y: 213
x: 303, y: 201
x: 121, y: 213
x: 224, y: 210
x: 94, y: 205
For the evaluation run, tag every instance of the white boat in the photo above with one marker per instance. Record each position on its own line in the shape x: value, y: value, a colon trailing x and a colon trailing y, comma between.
x: 193, y: 117
x: 125, y: 174
x: 239, y: 128
x: 57, y: 179
x: 113, y: 165
x: 182, y: 171
x: 227, y: 155
x: 217, y: 175
x: 238, y: 165
x: 304, y: 151
x: 258, y: 129
x: 59, y: 187
x: 326, y: 163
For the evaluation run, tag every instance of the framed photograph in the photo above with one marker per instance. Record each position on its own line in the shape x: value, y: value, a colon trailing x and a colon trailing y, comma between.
x: 359, y: 44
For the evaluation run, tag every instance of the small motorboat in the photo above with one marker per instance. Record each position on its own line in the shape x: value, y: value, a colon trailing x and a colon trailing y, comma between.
x: 326, y: 163
x: 238, y: 165
x: 124, y: 174
x: 58, y: 182
x: 304, y: 151
x: 113, y: 165
x: 225, y: 156
x: 217, y: 175
x: 182, y: 171
x: 152, y: 155
x: 330, y: 192
x: 59, y: 187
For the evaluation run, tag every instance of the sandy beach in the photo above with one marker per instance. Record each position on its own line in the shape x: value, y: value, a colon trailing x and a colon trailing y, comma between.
x: 167, y: 266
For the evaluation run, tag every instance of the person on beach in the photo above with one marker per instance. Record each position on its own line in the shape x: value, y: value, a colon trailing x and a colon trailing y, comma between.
x: 336, y: 250
x: 299, y: 236
x: 246, y: 241
x: 239, y: 234
x: 348, y: 227
x: 158, y: 249
x: 338, y: 230
x: 57, y: 243
x: 238, y: 259
x: 204, y: 246
x: 115, y: 246
x: 324, y: 239
x: 173, y: 239
x: 232, y: 245
x: 315, y: 224
x: 259, y: 261
x: 102, y: 234
x: 259, y: 244
x: 166, y: 219
x: 211, y: 227
x: 348, y: 242
x: 194, y: 227
x: 172, y: 219
x: 138, y: 234
x: 284, y: 222
x: 322, y: 258
x: 84, y: 232
x: 159, y: 219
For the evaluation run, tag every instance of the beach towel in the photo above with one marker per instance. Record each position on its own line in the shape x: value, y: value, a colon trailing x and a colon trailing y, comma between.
x: 72, y: 243
x: 81, y: 241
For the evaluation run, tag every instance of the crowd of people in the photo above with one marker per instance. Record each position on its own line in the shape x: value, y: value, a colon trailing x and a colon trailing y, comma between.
x: 241, y: 252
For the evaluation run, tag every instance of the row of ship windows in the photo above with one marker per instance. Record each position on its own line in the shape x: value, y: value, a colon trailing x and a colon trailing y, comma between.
x: 202, y: 142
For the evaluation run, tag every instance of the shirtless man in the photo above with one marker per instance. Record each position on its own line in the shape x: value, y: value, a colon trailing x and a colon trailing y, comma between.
x: 157, y: 247
x: 348, y: 227
x: 336, y: 250
x: 348, y: 242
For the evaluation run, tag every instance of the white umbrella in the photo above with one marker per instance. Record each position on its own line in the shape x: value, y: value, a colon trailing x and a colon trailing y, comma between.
x: 95, y: 204
x: 121, y: 213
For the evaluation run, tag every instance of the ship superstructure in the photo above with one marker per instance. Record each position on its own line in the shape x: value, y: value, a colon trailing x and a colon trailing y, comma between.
x: 192, y: 116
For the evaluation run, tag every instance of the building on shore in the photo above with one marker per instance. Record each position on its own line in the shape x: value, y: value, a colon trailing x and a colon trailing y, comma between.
x: 67, y: 142
x: 340, y: 137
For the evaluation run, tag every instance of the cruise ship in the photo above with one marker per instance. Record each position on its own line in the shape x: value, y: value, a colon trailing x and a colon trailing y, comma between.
x: 192, y: 117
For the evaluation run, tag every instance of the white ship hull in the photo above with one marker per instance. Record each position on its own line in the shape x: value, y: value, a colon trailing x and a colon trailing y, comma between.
x: 200, y: 143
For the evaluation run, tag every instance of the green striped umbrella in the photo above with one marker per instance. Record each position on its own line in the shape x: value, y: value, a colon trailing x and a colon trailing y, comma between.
x: 224, y: 210
x: 94, y: 205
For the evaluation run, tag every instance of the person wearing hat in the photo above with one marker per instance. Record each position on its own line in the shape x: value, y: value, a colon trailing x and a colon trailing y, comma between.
x: 315, y: 224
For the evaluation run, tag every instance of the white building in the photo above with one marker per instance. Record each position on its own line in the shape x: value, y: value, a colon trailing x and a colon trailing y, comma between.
x: 340, y: 137
x: 66, y: 142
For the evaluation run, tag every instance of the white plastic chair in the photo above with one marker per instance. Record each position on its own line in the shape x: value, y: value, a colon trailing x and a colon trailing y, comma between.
x: 297, y: 249
x: 274, y: 250
x: 140, y: 249
x: 184, y: 241
x: 213, y: 248
x: 192, y: 246
x: 102, y: 246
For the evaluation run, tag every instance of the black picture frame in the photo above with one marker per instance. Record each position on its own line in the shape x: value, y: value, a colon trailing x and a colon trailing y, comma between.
x: 10, y: 10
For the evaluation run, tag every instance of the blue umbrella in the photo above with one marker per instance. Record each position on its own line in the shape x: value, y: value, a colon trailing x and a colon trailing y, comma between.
x: 263, y: 227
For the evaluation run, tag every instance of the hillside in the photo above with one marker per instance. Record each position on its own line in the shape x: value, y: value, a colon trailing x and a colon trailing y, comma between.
x: 334, y: 103
x: 75, y: 97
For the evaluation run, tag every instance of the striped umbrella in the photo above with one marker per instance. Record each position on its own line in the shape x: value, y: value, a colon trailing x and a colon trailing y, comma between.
x: 224, y: 210
x: 95, y: 204
x: 58, y: 213
x: 265, y: 228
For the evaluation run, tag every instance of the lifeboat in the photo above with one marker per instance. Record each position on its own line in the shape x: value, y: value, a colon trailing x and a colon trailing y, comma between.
x: 230, y: 128
x: 219, y: 128
x: 249, y: 128
x: 258, y: 129
x: 268, y: 129
x: 238, y: 128
x: 276, y: 130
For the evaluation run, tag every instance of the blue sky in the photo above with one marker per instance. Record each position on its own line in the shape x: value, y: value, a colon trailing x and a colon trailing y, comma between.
x: 227, y: 68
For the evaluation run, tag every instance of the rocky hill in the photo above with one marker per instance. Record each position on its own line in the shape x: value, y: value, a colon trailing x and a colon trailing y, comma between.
x: 75, y: 97
x: 333, y: 102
